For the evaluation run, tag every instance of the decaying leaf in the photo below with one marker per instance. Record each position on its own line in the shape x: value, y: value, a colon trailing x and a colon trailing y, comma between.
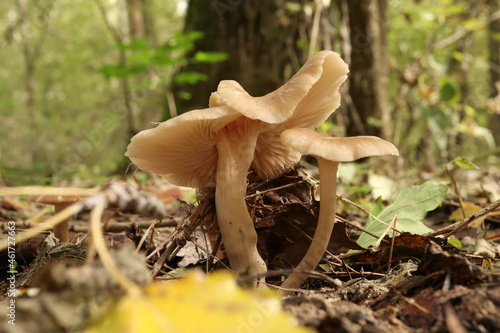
x: 404, y: 246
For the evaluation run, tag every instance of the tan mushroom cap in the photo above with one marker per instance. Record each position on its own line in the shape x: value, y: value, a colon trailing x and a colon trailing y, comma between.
x: 323, y: 98
x: 281, y: 103
x: 52, y: 195
x: 55, y: 199
x: 347, y: 149
x: 182, y: 149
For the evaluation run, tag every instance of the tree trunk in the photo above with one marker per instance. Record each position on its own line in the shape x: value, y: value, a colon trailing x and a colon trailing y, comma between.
x: 368, y: 84
x: 494, y: 63
x: 260, y: 38
x: 135, y: 19
x: 31, y: 47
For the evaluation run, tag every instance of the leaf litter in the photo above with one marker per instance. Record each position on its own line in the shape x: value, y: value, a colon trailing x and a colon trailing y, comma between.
x: 408, y: 283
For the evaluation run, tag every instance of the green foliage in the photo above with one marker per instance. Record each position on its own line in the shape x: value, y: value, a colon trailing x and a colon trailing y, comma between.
x: 448, y: 91
x: 411, y: 204
x: 464, y: 163
x: 190, y: 77
x: 454, y: 242
x: 142, y: 57
x: 210, y: 57
x: 440, y: 70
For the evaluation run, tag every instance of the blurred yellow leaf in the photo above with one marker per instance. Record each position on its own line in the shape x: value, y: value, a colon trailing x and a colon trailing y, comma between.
x: 469, y: 208
x: 198, y: 303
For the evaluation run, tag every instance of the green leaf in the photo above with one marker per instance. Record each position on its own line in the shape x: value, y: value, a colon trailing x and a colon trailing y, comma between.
x: 120, y: 71
x: 139, y: 58
x: 448, y: 91
x: 210, y: 57
x: 474, y: 24
x: 190, y: 77
x: 185, y: 95
x: 165, y: 59
x: 137, y: 44
x: 464, y: 163
x: 454, y: 242
x: 411, y: 204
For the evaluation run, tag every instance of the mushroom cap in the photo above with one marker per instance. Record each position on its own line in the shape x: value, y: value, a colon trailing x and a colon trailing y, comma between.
x: 348, y: 149
x: 55, y: 196
x: 322, y: 99
x: 183, y: 149
x: 280, y: 104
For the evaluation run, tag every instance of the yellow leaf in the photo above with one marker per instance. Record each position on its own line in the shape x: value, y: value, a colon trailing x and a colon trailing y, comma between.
x: 469, y: 208
x: 198, y: 303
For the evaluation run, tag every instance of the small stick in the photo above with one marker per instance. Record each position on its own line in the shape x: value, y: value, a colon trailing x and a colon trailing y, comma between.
x: 392, y: 244
x: 102, y: 250
x: 453, y: 228
x: 457, y: 192
x: 341, y: 197
x: 360, y: 228
x: 389, y: 226
x: 274, y: 189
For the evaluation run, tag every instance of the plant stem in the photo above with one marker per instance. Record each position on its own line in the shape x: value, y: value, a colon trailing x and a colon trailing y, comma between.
x: 321, y: 238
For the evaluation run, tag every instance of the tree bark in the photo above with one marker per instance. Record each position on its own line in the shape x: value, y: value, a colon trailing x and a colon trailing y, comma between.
x: 31, y: 49
x: 494, y: 63
x: 368, y: 84
x: 135, y: 19
x: 121, y: 36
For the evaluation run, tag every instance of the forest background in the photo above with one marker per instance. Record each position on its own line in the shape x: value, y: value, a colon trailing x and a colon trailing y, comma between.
x: 79, y: 78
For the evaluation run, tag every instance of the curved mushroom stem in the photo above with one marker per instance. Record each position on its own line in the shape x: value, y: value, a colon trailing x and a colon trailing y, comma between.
x: 321, y: 238
x: 235, y: 155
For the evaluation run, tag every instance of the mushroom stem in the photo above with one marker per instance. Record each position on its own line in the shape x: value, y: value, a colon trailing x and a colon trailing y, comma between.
x: 324, y: 229
x: 239, y: 237
x: 61, y: 230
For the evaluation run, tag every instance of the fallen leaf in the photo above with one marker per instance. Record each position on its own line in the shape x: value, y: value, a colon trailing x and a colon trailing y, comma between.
x: 198, y: 303
x: 411, y: 204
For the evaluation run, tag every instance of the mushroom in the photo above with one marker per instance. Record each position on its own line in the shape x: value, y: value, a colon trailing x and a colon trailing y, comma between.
x: 60, y: 202
x: 329, y: 152
x: 219, y: 145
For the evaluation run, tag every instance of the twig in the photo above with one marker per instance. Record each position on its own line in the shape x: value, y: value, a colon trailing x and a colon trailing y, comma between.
x: 283, y: 272
x: 341, y: 197
x: 360, y: 228
x: 102, y: 250
x: 257, y: 193
x: 457, y: 192
x: 392, y: 244
x: 210, y: 262
x: 379, y: 240
x: 453, y: 228
x: 146, y: 234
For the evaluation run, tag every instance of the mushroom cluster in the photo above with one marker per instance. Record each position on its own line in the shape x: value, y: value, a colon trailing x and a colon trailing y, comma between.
x: 238, y: 133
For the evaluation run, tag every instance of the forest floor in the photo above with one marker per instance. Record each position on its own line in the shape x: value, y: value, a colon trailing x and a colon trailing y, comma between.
x: 407, y: 283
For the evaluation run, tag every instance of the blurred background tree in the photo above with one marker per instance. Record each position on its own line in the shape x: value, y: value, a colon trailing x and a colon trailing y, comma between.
x: 78, y: 78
